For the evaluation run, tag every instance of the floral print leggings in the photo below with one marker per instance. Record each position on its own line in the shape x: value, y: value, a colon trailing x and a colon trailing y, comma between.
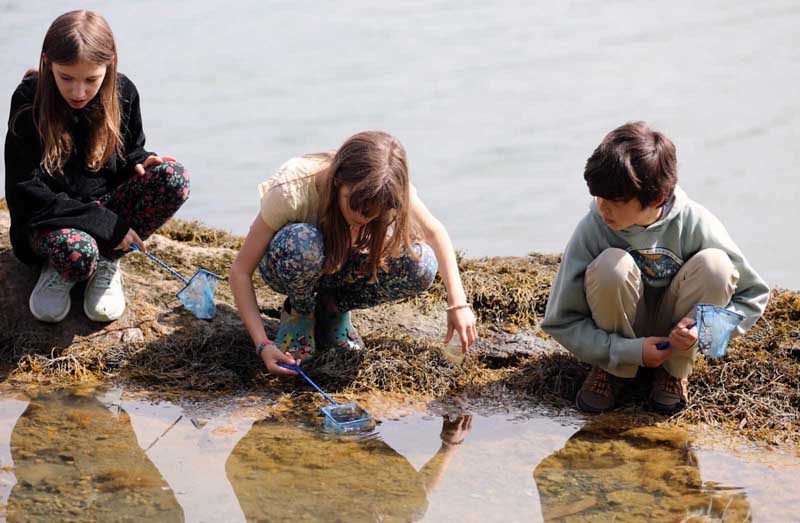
x: 293, y: 266
x: 145, y: 201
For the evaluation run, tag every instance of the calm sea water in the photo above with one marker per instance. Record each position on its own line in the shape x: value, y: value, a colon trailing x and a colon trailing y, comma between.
x: 498, y: 103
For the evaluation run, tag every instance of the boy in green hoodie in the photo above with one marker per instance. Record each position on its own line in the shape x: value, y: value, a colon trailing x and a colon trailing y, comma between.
x: 636, y: 266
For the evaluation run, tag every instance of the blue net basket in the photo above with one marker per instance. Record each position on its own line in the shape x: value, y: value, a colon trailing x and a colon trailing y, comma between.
x: 198, y: 295
x: 715, y: 325
x: 347, y: 418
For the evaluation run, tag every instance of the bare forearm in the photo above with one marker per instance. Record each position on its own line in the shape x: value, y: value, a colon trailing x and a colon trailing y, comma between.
x: 245, y: 297
x: 433, y: 471
x: 442, y: 247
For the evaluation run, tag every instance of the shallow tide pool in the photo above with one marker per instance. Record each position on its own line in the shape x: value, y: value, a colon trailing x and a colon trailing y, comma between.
x: 113, y: 456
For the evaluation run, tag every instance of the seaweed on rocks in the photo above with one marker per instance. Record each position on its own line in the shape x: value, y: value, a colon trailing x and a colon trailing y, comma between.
x: 156, y: 345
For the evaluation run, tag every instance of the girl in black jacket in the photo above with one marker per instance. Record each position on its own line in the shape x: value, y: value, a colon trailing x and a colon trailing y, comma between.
x: 80, y: 186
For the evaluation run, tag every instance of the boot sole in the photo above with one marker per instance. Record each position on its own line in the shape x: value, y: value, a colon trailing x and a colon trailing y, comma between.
x: 667, y: 410
x: 585, y: 407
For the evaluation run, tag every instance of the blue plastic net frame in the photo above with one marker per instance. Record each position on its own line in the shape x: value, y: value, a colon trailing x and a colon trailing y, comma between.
x: 198, y: 294
x: 347, y: 418
x: 716, y: 325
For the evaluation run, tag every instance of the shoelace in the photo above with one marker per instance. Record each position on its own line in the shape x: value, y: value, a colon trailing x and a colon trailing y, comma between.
x: 56, y: 282
x: 672, y: 385
x: 600, y: 382
x: 104, y: 275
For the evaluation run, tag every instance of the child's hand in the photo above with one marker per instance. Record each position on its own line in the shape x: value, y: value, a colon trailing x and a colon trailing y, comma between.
x: 454, y: 432
x: 131, y: 237
x: 651, y: 355
x: 152, y: 161
x: 684, y: 334
x: 271, y: 355
x: 461, y: 321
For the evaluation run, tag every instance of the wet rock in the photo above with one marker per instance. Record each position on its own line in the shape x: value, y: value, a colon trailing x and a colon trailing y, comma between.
x: 511, y: 346
x: 107, y: 338
x: 134, y: 334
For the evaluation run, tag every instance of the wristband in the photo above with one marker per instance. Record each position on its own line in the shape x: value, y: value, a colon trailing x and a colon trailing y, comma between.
x: 451, y: 443
x: 456, y: 307
x: 261, y: 346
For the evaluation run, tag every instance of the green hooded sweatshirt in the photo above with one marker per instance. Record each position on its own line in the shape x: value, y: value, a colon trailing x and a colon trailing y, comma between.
x: 684, y: 230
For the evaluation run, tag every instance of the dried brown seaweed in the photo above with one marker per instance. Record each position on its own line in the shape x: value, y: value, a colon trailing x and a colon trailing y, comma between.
x: 755, y: 389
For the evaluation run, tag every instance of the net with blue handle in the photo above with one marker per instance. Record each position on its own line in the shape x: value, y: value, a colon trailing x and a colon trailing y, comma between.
x: 339, y: 417
x: 715, y: 327
x: 197, y: 294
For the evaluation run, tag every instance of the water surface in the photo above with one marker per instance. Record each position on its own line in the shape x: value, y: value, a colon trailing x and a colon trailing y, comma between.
x: 498, y: 103
x: 113, y: 456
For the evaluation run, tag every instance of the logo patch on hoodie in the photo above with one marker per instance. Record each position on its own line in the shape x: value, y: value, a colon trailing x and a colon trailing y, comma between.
x: 658, y: 265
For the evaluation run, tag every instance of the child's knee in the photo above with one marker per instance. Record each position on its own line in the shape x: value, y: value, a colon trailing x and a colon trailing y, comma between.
x: 612, y: 269
x: 75, y: 257
x: 80, y: 267
x: 422, y: 271
x: 298, y: 247
x: 172, y: 180
x: 714, y: 268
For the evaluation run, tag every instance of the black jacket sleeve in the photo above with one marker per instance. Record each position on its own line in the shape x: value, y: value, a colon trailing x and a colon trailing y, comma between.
x: 132, y: 132
x: 34, y: 199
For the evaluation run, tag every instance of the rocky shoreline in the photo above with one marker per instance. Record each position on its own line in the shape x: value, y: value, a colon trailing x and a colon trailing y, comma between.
x: 159, y: 346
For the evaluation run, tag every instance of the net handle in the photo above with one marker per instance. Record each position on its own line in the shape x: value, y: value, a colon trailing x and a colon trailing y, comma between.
x: 175, y: 273
x: 298, y: 370
x: 664, y: 345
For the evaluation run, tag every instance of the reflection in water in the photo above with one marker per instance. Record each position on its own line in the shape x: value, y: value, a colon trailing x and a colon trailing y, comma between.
x: 607, y: 472
x: 106, y: 458
x: 75, y: 459
x: 190, y: 452
x: 286, y: 473
x: 115, y: 458
x: 11, y: 408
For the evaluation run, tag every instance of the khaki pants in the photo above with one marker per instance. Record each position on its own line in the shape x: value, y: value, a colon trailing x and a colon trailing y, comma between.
x: 615, y: 293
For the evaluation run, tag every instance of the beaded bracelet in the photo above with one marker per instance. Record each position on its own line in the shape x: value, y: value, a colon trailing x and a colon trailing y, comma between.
x: 261, y: 346
x: 452, y: 443
x: 456, y: 307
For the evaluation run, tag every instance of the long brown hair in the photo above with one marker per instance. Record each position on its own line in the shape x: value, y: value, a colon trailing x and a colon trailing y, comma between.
x: 373, y: 165
x: 73, y: 37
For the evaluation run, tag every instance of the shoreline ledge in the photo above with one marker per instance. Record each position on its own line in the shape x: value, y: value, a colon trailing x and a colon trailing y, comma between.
x: 159, y: 346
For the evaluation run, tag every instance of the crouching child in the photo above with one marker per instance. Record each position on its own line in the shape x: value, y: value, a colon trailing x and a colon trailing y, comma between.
x: 635, y: 268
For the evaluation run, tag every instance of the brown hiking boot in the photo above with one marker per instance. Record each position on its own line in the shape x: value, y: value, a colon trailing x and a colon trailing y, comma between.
x: 598, y: 392
x: 669, y: 394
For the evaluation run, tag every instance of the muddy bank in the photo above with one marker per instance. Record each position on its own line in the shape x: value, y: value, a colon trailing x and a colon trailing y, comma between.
x: 159, y: 346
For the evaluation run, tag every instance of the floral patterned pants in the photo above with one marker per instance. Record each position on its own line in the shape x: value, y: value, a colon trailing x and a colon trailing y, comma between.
x: 293, y: 266
x: 145, y: 201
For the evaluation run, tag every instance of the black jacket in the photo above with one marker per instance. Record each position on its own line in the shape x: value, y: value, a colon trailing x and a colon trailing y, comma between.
x: 39, y: 201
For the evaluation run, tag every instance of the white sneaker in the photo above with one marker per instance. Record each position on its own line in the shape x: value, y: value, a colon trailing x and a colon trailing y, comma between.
x: 49, y: 300
x: 104, y: 299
